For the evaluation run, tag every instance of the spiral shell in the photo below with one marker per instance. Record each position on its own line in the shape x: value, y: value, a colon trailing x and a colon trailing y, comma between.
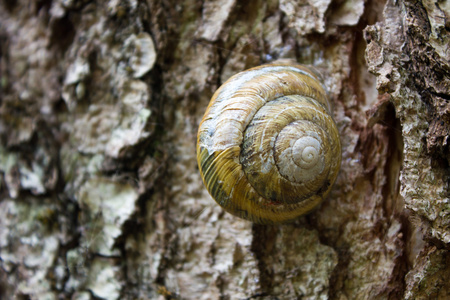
x: 268, y: 148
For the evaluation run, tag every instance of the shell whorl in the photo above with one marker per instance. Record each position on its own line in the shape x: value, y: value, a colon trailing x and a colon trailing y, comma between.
x: 268, y: 149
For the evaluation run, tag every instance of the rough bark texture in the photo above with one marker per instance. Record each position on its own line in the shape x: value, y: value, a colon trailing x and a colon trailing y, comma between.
x: 100, y: 192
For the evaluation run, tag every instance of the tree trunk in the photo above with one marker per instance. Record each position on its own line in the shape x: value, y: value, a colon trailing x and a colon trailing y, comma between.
x: 101, y: 196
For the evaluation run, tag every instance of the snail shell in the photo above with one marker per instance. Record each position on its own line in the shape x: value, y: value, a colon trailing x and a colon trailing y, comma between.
x: 268, y: 148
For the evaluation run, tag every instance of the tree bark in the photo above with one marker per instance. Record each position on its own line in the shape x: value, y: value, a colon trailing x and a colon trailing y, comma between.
x: 101, y: 197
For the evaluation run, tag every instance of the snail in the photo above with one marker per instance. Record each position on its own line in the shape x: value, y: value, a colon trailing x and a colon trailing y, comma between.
x: 268, y: 149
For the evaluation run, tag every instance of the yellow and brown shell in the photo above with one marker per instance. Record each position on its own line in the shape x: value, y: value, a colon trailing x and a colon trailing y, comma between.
x: 268, y: 148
